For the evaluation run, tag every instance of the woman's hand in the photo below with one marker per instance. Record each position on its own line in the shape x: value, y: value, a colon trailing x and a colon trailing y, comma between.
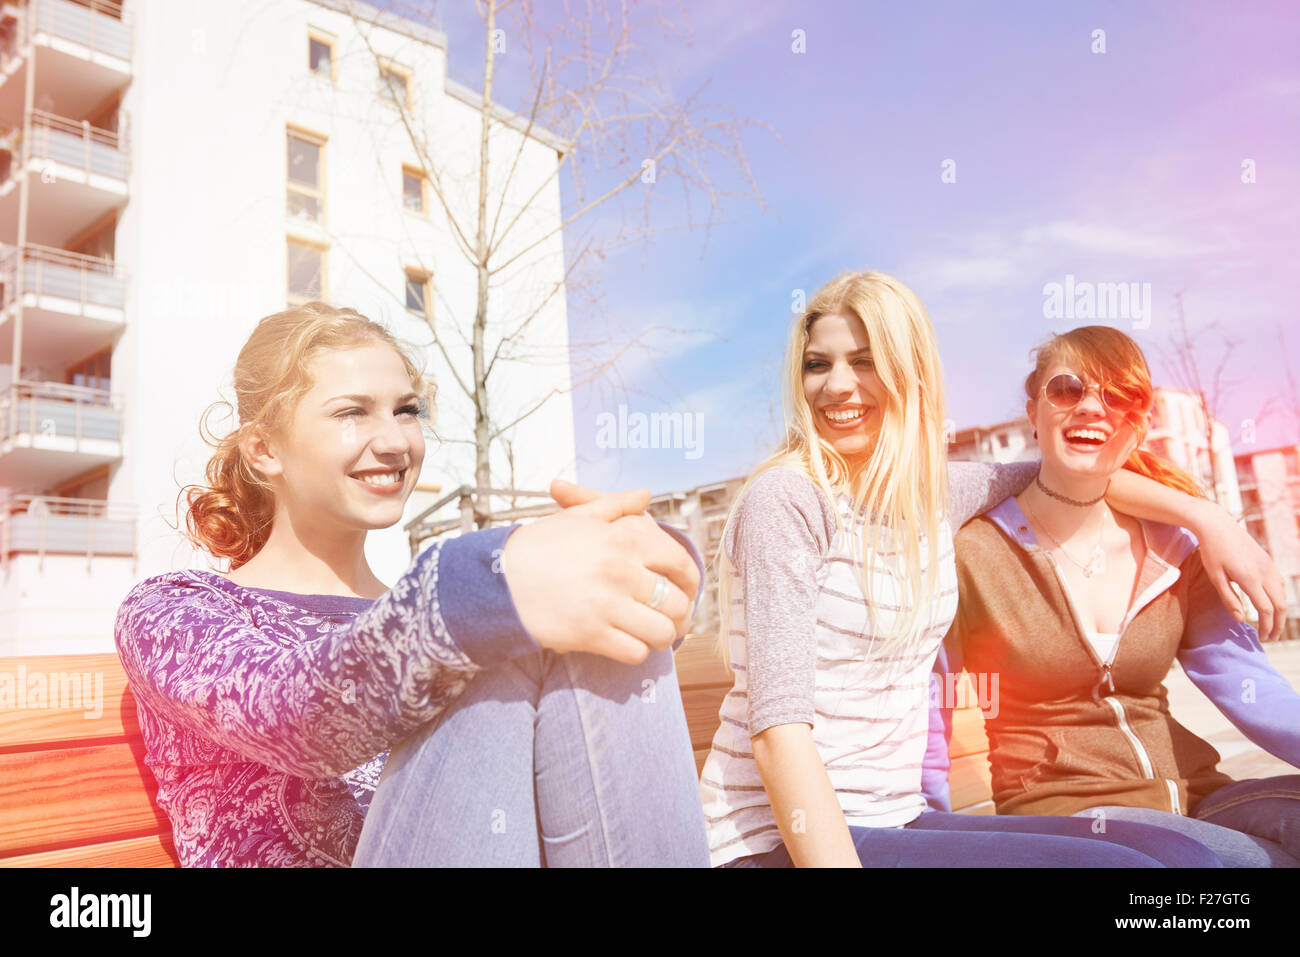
x: 580, y: 579
x: 1229, y: 553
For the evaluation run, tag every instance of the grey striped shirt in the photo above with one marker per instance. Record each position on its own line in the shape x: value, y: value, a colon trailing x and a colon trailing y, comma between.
x: 804, y: 649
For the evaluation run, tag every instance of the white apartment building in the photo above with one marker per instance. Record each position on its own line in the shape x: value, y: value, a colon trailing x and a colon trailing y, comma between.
x: 170, y: 172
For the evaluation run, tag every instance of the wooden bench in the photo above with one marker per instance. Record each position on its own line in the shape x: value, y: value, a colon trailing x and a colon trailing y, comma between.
x: 75, y: 791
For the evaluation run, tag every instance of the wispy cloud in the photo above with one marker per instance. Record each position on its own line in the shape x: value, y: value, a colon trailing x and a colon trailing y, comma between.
x: 1114, y: 240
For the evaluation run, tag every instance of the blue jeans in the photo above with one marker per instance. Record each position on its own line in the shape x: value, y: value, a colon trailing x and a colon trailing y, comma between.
x: 547, y: 760
x: 944, y: 839
x: 1253, y: 823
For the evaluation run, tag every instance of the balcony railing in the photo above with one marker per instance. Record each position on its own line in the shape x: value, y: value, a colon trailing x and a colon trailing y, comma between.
x: 38, y: 524
x: 97, y: 24
x: 86, y: 280
x: 52, y: 410
x: 69, y: 142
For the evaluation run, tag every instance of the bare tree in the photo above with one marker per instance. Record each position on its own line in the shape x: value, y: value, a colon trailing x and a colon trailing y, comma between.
x: 628, y: 145
x: 1184, y: 358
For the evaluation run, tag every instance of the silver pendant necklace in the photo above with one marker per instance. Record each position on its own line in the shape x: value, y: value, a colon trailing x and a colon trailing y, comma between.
x: 1096, y: 563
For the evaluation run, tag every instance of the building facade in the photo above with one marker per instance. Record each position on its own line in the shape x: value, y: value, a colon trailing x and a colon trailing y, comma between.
x: 169, y: 175
x: 1270, y: 495
x: 1179, y: 433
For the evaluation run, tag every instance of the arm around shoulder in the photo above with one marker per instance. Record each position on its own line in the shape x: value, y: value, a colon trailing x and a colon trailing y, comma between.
x: 976, y: 487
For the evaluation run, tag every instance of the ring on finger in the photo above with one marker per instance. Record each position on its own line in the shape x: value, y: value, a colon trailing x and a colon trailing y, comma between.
x: 660, y: 593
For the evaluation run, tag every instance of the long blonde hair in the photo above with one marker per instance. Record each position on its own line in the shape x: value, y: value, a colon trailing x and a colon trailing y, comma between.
x: 231, y: 516
x: 904, y: 484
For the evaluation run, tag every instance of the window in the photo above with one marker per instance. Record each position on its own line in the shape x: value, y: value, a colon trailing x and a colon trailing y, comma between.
x: 320, y: 57
x: 394, y: 86
x: 305, y: 197
x: 413, y: 190
x: 417, y: 293
x: 306, y: 270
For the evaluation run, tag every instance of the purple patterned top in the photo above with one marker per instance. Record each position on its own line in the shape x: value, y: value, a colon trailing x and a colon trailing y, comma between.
x: 267, y: 716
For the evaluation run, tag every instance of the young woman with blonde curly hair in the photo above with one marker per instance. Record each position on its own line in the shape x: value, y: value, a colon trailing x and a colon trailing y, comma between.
x: 508, y: 670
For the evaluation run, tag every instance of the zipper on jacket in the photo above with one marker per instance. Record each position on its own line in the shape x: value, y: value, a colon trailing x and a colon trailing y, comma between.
x: 1143, y: 759
x: 1107, y: 682
x: 1148, y: 771
x: 1173, y: 796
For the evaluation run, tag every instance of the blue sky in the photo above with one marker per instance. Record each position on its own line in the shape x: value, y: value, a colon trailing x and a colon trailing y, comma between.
x: 1122, y: 166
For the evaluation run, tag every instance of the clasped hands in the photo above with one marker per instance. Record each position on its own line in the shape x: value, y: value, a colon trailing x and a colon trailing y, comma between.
x: 582, y: 579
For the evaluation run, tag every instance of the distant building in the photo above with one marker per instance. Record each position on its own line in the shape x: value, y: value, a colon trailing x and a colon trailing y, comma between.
x: 1178, y: 433
x: 1005, y: 442
x: 1270, y: 495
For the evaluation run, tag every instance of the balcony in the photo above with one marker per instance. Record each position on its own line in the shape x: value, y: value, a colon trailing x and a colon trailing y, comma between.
x: 72, y: 304
x: 50, y: 432
x: 81, y: 48
x: 78, y: 173
x: 41, y: 525
x: 51, y: 548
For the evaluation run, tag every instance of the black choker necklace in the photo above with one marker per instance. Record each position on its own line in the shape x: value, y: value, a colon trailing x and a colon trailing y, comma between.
x: 1069, y: 501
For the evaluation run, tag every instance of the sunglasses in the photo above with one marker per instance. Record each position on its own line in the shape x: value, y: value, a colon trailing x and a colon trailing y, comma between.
x: 1067, y: 390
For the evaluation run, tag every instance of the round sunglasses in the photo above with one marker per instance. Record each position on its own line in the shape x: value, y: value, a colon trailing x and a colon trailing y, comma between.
x: 1066, y: 390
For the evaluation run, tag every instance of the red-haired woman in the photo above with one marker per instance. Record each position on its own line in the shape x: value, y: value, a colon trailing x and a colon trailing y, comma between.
x: 1081, y: 610
x: 525, y: 727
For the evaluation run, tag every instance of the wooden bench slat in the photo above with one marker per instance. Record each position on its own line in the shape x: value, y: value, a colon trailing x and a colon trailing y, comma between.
x: 75, y: 796
x: 698, y: 665
x: 968, y: 735
x: 63, y: 677
x: 970, y: 781
x: 154, y: 850
x: 701, y: 706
